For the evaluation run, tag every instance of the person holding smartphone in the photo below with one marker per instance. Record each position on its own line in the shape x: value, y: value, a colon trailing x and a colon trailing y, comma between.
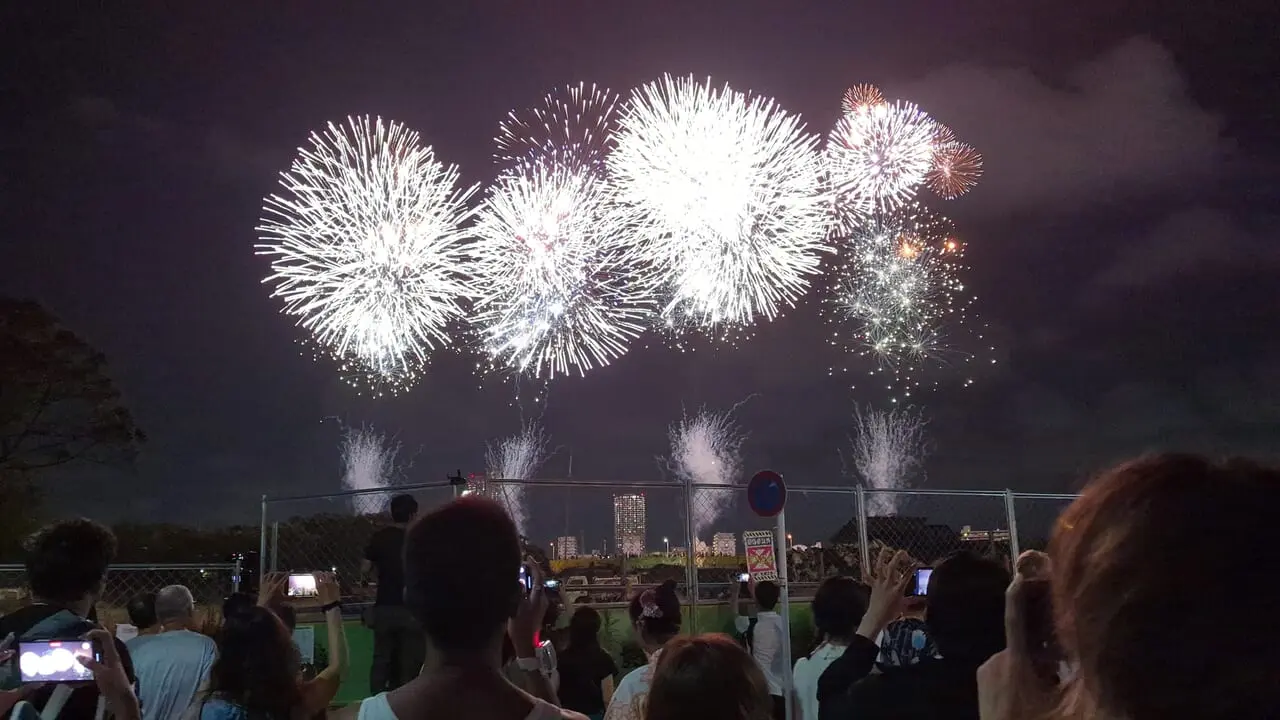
x: 65, y: 565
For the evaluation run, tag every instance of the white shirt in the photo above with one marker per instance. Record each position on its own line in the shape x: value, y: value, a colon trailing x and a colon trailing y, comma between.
x: 629, y: 698
x: 807, y: 672
x: 766, y: 647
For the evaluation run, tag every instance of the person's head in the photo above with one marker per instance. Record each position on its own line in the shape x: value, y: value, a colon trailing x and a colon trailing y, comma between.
x: 584, y: 628
x: 655, y: 614
x: 257, y: 666
x: 1159, y: 588
x: 236, y: 603
x: 66, y: 562
x: 403, y: 509
x: 708, y: 677
x: 766, y: 595
x: 463, y: 599
x: 838, y: 607
x: 142, y: 611
x: 555, y: 608
x: 966, y: 606
x: 175, y: 607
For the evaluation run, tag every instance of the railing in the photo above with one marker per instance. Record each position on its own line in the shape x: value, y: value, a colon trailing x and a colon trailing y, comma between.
x: 209, y: 583
x: 324, y: 532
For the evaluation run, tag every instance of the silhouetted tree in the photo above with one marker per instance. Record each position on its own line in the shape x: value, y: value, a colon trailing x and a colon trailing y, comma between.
x: 57, y: 403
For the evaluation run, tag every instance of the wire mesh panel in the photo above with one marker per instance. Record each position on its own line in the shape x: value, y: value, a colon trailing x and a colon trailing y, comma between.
x: 208, y: 583
x: 1036, y: 515
x: 930, y: 525
x: 330, y: 532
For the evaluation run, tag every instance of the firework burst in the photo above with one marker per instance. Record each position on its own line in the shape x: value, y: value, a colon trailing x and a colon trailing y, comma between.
x: 707, y: 449
x: 860, y: 98
x: 573, y: 127
x: 889, y: 449
x: 878, y: 157
x: 898, y: 292
x: 728, y: 195
x: 555, y: 293
x: 518, y: 457
x: 368, y: 462
x: 366, y: 246
x: 956, y: 169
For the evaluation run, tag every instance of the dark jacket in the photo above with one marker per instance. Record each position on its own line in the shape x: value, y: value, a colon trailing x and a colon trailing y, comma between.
x: 842, y: 674
x: 933, y: 689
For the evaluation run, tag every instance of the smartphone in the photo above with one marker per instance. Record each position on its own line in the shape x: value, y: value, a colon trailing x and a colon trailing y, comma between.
x: 744, y: 577
x: 919, y: 585
x: 41, y: 661
x: 1037, y: 614
x: 551, y: 584
x: 302, y: 585
x: 526, y: 579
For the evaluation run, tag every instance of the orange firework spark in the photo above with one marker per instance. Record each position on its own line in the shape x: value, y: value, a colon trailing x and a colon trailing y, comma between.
x: 956, y: 169
x: 860, y: 97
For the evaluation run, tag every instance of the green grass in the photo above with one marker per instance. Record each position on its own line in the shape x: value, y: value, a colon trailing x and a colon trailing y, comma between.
x: 615, y: 633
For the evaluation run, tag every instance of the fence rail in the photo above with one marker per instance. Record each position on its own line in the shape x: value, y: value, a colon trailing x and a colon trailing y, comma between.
x: 841, y: 526
x: 209, y: 584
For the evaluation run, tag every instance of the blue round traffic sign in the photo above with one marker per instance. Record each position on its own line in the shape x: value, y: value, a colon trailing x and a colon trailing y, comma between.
x: 766, y: 493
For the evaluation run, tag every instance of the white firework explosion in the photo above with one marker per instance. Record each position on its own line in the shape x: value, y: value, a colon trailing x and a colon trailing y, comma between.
x: 707, y: 449
x: 518, y: 457
x: 367, y: 246
x: 573, y: 128
x: 730, y: 200
x: 889, y: 449
x: 879, y: 155
x: 368, y: 462
x: 555, y: 292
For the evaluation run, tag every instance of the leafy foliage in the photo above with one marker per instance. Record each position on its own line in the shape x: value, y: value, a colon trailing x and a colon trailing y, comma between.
x: 57, y: 403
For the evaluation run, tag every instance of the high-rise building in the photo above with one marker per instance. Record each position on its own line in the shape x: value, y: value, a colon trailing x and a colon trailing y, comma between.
x: 477, y: 484
x: 566, y: 548
x: 724, y: 543
x: 629, y: 524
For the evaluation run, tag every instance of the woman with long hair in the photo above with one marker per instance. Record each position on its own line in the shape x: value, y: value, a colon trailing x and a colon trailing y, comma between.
x: 586, y: 670
x: 258, y: 673
x: 1151, y: 603
x: 655, y: 618
x: 709, y: 677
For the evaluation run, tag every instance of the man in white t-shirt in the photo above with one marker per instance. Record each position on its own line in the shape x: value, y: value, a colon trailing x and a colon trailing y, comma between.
x: 764, y: 639
x: 173, y: 664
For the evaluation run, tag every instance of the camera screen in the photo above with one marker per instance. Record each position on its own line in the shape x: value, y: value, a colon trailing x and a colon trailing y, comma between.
x: 302, y: 586
x: 922, y: 581
x: 526, y: 579
x: 744, y: 577
x: 54, y: 660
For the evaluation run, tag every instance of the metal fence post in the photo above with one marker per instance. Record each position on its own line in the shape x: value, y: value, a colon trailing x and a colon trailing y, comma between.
x: 1011, y: 514
x: 262, y: 543
x: 275, y: 546
x: 864, y: 546
x: 691, y: 564
x: 235, y: 576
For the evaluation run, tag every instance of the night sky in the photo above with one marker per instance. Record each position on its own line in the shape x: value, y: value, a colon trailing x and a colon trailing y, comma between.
x: 1123, y: 242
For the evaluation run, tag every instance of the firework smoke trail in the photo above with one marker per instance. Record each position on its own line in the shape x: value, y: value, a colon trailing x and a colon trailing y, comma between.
x: 367, y: 247
x: 573, y: 128
x: 707, y: 449
x: 369, y: 462
x: 556, y: 295
x: 728, y: 191
x: 888, y: 451
x: 879, y: 156
x: 518, y: 457
x: 899, y: 292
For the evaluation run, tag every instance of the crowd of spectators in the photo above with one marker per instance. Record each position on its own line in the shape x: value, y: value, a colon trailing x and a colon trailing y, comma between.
x: 1148, y: 605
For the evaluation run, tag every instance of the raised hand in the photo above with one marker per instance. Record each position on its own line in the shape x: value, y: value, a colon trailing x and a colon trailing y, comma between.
x: 327, y: 588
x: 888, y: 578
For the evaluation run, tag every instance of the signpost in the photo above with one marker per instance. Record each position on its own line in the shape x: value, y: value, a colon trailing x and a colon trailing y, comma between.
x: 762, y: 563
x: 767, y: 496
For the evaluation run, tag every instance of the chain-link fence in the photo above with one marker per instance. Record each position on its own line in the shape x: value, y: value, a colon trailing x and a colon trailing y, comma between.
x: 209, y: 584
x: 329, y: 533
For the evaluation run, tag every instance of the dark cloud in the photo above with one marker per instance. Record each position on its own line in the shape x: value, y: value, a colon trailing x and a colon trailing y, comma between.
x: 1122, y: 122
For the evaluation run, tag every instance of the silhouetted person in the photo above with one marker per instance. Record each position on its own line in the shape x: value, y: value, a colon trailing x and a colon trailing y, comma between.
x: 398, y: 646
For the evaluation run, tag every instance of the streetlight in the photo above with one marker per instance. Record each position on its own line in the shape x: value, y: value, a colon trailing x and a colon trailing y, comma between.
x: 667, y: 544
x: 789, y: 543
